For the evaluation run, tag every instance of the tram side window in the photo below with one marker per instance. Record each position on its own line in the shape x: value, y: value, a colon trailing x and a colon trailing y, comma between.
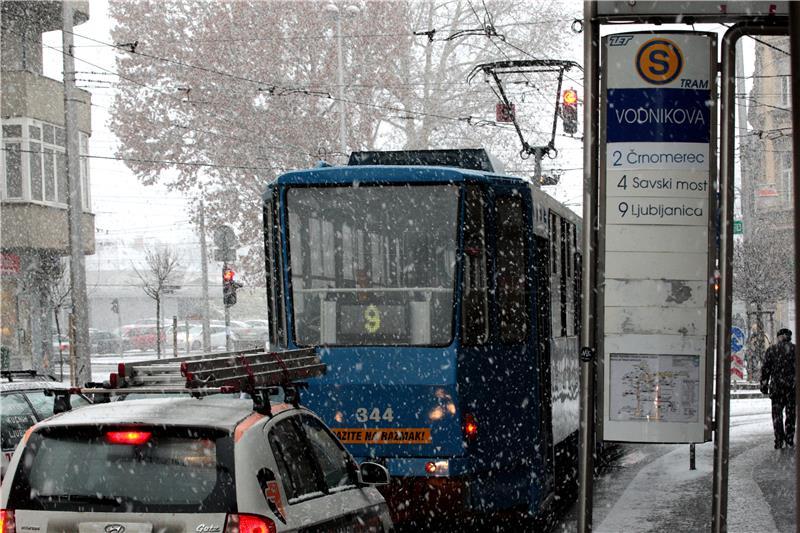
x: 564, y: 278
x: 568, y: 285
x: 512, y: 285
x: 555, y: 275
x: 474, y: 305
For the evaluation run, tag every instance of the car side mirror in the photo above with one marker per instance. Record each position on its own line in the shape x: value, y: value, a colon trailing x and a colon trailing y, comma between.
x: 373, y: 474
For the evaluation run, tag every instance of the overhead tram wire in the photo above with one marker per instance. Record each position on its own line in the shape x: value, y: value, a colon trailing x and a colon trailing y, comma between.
x: 162, y: 91
x: 162, y: 161
x: 301, y: 91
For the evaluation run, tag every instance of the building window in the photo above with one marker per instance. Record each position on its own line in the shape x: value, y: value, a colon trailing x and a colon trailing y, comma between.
x: 786, y: 174
x: 13, y: 166
x: 35, y: 163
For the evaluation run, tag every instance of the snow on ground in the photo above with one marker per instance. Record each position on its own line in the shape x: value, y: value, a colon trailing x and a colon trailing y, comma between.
x: 652, y: 489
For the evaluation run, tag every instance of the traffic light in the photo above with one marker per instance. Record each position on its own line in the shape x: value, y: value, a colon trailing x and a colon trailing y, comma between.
x: 569, y: 111
x: 115, y: 306
x: 229, y: 286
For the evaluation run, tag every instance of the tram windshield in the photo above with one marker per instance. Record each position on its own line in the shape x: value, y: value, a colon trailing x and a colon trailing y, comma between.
x: 373, y: 265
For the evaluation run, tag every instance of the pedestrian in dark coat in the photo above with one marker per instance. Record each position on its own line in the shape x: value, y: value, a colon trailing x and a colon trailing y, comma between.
x: 777, y: 380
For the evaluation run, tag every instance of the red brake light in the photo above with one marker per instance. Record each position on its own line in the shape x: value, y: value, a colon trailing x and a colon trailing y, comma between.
x: 127, y: 437
x: 470, y: 427
x: 248, y: 523
x: 7, y: 522
x: 430, y: 467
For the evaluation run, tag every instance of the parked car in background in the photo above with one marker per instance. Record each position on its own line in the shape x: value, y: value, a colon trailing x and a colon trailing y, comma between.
x: 257, y: 323
x: 60, y: 343
x: 25, y: 403
x: 142, y: 337
x: 105, y: 342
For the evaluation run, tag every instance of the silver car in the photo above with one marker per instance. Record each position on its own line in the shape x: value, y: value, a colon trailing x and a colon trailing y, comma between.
x: 190, y: 465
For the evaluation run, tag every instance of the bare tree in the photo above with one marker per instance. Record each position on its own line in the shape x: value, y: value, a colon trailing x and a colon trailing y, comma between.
x: 55, y: 296
x: 161, y: 265
x: 763, y: 274
x: 238, y: 92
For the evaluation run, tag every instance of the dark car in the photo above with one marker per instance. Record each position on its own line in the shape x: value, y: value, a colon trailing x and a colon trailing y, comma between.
x: 105, y: 342
x: 22, y: 394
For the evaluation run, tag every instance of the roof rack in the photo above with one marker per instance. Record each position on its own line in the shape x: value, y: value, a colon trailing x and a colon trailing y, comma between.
x: 11, y: 374
x: 255, y: 372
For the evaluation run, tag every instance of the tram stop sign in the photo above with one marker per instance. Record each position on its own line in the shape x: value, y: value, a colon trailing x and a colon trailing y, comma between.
x: 225, y: 244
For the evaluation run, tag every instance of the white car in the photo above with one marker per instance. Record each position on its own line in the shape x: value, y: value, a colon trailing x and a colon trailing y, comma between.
x: 190, y: 464
x: 242, y: 337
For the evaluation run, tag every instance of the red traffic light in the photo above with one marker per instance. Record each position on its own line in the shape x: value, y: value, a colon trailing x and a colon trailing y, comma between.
x: 227, y: 275
x: 570, y: 97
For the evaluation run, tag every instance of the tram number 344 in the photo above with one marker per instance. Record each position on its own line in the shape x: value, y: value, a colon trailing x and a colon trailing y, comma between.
x: 364, y: 414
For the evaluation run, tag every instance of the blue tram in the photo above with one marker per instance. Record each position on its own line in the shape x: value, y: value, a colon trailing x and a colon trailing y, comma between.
x: 446, y: 302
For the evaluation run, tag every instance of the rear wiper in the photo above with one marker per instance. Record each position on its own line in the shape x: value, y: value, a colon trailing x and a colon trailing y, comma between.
x: 81, y: 498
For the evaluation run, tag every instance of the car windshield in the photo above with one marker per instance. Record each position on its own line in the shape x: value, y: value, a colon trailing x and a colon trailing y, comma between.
x: 173, y: 470
x: 365, y: 271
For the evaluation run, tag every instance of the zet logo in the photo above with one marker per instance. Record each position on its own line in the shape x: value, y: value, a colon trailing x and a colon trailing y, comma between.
x: 659, y: 61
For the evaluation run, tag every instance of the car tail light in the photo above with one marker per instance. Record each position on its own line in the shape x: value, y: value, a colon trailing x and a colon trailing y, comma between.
x: 128, y: 437
x: 121, y: 369
x: 7, y: 522
x: 470, y: 427
x: 248, y: 523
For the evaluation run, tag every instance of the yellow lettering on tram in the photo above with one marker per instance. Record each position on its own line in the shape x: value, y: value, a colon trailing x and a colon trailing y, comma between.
x: 384, y: 435
x: 373, y: 319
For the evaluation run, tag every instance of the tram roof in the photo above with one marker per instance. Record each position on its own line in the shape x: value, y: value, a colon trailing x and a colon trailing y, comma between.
x: 389, y: 175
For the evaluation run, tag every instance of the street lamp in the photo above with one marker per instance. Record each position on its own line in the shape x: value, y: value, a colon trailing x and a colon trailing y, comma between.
x: 352, y: 11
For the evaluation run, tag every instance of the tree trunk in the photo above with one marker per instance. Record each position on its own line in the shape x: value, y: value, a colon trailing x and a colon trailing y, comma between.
x: 60, y: 351
x: 158, y: 324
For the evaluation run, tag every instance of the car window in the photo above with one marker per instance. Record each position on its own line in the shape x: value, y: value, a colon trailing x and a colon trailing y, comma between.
x: 294, y: 461
x: 16, y: 417
x: 181, y: 470
x: 330, y: 455
x: 43, y: 405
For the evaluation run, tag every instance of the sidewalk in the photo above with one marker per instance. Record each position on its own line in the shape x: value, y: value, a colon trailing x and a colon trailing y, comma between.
x: 652, y: 489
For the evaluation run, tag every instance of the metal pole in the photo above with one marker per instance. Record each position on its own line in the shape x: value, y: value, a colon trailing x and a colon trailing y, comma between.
x: 591, y: 51
x: 174, y: 336
x: 120, y: 345
x: 538, y: 155
x: 186, y: 335
x: 692, y: 464
x: 73, y: 373
x: 725, y: 299
x: 204, y: 274
x: 75, y: 207
x: 794, y: 58
x: 227, y: 316
x: 342, y: 123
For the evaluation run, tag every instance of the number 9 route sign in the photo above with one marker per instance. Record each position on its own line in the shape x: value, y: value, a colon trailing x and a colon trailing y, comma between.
x: 657, y: 239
